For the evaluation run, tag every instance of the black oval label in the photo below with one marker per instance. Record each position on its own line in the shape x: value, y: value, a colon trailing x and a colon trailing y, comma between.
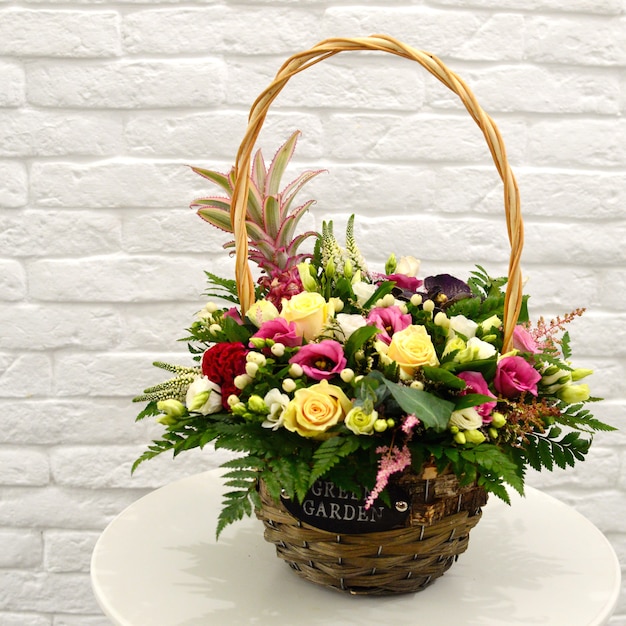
x: 331, y: 508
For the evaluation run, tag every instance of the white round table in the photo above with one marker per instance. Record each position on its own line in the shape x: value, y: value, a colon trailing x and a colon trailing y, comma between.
x: 158, y: 564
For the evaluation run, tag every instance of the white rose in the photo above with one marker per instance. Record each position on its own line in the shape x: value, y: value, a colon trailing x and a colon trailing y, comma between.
x: 363, y: 291
x: 203, y: 396
x: 348, y: 323
x: 408, y: 266
x: 463, y: 326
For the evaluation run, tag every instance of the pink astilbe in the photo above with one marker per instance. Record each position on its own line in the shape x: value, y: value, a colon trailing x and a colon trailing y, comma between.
x: 409, y: 423
x: 392, y: 460
x: 545, y: 332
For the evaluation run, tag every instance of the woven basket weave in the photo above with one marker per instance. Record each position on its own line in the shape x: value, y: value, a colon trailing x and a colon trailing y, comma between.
x: 442, y: 513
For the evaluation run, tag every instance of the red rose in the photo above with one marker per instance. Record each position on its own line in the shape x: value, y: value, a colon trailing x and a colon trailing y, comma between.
x: 221, y: 363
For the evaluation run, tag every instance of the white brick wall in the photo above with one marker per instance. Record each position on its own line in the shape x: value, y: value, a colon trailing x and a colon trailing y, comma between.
x: 102, y: 107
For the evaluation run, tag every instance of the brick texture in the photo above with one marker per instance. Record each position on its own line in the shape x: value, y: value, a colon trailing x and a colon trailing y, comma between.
x: 103, y: 107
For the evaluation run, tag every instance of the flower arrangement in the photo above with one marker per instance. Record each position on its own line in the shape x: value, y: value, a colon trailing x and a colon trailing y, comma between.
x: 355, y: 376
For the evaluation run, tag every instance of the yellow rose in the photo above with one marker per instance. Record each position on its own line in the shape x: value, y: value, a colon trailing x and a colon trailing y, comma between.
x: 412, y: 348
x: 309, y: 311
x: 315, y: 409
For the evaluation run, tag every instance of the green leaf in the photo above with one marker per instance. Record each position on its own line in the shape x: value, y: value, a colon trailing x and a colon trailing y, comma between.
x: 471, y: 399
x: 432, y: 411
x: 381, y: 292
x: 440, y: 375
x: 358, y: 339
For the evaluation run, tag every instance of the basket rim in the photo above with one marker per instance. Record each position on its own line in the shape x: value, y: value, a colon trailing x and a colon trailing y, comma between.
x: 323, y: 50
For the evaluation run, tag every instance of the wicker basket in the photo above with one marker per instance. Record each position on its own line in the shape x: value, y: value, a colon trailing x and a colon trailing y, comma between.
x: 400, y: 560
x: 441, y: 513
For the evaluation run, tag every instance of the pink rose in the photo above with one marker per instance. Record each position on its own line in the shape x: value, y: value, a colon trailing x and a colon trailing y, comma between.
x: 322, y: 360
x: 524, y: 341
x: 476, y: 383
x: 390, y: 320
x: 280, y: 331
x: 515, y: 375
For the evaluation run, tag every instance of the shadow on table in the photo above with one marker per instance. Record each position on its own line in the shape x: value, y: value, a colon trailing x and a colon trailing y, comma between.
x: 243, y: 582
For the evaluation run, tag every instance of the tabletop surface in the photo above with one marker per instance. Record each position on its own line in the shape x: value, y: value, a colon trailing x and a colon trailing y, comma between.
x: 158, y: 564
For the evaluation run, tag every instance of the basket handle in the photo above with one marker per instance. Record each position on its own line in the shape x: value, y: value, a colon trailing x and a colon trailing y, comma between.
x: 328, y: 48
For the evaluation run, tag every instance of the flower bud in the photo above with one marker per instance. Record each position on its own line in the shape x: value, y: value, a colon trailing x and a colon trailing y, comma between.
x: 239, y: 408
x: 441, y: 319
x: 391, y: 422
x: 210, y: 307
x: 166, y: 420
x: 493, y: 433
x: 289, y: 385
x: 573, y: 394
x: 278, y: 349
x: 347, y: 375
x: 252, y: 369
x: 171, y: 407
x: 256, y: 357
x: 428, y: 306
x: 242, y: 381
x: 391, y: 264
x: 308, y: 281
x: 296, y: 370
x: 232, y: 400
x: 348, y: 270
x: 380, y: 425
x: 388, y: 300
x: 258, y: 342
x: 460, y: 438
x: 417, y: 384
x: 257, y: 404
x: 580, y: 373
x: 497, y: 419
x: 416, y: 299
x: 474, y: 436
x: 330, y: 269
x: 215, y: 328
x: 337, y: 304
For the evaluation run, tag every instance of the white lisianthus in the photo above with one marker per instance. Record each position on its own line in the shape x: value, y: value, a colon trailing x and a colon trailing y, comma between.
x: 408, y: 266
x: 363, y: 291
x: 466, y: 419
x: 276, y: 403
x: 491, y: 322
x: 262, y: 311
x: 463, y: 326
x: 456, y: 343
x: 475, y: 350
x: 348, y: 323
x: 203, y: 396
